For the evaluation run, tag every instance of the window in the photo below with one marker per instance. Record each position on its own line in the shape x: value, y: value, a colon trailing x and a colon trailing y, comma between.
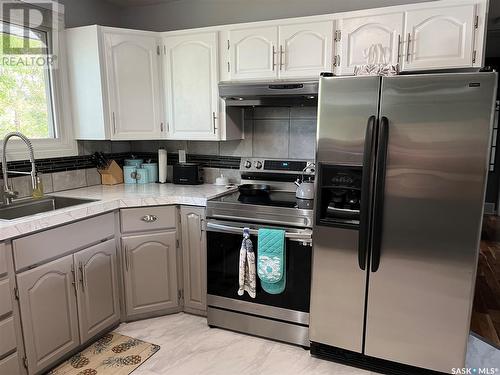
x: 33, y: 81
x: 26, y: 103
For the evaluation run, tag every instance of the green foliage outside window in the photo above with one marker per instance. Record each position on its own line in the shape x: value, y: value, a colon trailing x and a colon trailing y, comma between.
x: 25, y: 102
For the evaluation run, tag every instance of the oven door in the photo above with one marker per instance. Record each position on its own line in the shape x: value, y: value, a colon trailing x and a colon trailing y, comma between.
x: 223, y: 252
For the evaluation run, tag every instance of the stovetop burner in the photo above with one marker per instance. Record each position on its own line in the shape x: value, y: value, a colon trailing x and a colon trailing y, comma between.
x: 275, y: 199
x: 278, y: 207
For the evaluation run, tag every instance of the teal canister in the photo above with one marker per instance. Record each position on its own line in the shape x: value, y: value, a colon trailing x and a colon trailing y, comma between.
x: 134, y: 162
x: 152, y: 171
x: 142, y: 176
x: 129, y: 174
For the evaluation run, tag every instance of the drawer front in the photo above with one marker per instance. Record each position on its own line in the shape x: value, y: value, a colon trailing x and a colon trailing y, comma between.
x: 10, y: 365
x: 3, y: 260
x: 148, y: 218
x: 8, y: 335
x: 55, y: 243
x: 5, y: 298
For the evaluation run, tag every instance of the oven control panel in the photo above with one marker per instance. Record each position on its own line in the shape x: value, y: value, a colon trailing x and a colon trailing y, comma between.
x: 257, y: 165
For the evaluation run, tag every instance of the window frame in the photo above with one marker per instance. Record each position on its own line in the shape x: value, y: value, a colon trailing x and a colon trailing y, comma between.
x: 65, y: 143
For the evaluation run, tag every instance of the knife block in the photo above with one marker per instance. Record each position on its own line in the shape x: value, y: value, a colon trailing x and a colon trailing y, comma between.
x: 112, y: 174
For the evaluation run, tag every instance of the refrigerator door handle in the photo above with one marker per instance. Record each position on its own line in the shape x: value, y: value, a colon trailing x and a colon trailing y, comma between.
x: 378, y: 208
x: 366, y: 192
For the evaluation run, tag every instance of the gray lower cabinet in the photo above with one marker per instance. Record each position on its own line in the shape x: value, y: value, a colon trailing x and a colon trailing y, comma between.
x: 150, y: 273
x: 97, y: 289
x: 194, y: 258
x: 11, y: 347
x: 66, y: 302
x: 48, y: 312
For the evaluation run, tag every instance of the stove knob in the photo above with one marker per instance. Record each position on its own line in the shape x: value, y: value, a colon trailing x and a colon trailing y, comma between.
x: 258, y: 165
x: 248, y: 164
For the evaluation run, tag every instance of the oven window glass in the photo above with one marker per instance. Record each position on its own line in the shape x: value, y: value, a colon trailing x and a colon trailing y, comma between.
x: 223, y: 268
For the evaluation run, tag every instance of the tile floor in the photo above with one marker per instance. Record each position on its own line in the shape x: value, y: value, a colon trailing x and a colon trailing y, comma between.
x: 189, y: 346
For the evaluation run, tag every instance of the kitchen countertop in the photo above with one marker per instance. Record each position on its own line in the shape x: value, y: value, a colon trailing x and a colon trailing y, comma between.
x: 111, y: 198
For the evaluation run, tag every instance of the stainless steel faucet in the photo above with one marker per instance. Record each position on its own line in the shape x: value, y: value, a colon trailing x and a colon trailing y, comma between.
x: 8, y: 194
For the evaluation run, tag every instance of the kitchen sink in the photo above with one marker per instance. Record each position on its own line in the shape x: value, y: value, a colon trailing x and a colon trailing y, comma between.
x: 29, y: 206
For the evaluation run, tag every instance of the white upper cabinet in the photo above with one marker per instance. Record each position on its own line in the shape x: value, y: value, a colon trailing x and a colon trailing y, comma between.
x: 439, y: 38
x: 132, y: 63
x: 375, y: 39
x: 127, y: 84
x: 191, y: 83
x: 115, y: 83
x: 287, y: 51
x: 305, y: 49
x: 254, y: 53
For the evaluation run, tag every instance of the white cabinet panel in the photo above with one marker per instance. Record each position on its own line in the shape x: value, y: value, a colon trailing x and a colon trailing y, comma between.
x: 439, y: 38
x: 305, y: 49
x: 370, y: 40
x: 132, y: 63
x: 191, y: 79
x: 254, y: 53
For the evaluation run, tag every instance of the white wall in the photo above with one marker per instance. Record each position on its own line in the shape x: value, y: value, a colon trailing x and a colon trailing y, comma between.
x: 182, y: 14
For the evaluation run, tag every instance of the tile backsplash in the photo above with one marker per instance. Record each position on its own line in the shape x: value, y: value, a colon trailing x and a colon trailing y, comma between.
x: 57, y: 181
x: 273, y: 132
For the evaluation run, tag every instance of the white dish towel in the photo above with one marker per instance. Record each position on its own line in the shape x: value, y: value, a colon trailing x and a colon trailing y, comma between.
x: 247, y: 275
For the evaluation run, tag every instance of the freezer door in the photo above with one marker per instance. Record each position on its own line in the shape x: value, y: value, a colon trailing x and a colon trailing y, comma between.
x: 339, y: 284
x: 345, y: 104
x: 420, y: 297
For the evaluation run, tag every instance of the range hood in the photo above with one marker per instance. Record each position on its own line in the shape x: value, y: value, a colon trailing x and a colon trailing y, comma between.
x: 276, y: 93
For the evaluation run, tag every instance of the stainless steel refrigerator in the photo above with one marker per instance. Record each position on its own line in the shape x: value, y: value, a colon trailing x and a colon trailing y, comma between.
x: 402, y: 164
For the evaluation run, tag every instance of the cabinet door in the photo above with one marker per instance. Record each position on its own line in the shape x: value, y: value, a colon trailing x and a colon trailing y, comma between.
x: 439, y: 38
x: 150, y: 273
x: 254, y: 53
x: 98, y: 306
x: 191, y: 79
x: 373, y: 39
x: 132, y: 63
x: 48, y: 312
x: 194, y: 255
x: 305, y: 50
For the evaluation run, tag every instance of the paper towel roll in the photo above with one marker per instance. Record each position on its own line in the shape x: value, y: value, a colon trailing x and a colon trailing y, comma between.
x: 162, y: 165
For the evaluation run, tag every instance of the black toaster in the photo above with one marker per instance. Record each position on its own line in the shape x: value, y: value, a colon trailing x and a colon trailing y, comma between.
x: 188, y: 174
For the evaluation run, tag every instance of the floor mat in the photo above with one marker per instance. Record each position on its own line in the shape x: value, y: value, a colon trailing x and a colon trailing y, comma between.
x: 113, y: 354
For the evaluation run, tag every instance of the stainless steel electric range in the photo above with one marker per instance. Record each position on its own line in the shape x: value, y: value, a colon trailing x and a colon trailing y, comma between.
x: 284, y: 316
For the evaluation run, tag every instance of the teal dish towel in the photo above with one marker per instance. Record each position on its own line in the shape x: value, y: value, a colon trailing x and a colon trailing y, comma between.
x: 271, y: 260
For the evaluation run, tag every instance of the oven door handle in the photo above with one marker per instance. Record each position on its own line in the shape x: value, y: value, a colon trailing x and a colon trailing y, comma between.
x: 304, y: 236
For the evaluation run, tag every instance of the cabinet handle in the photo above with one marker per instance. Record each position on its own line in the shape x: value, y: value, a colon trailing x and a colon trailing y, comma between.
x: 282, y: 54
x: 114, y: 123
x: 408, y: 48
x: 127, y: 260
x: 74, y: 282
x: 274, y: 57
x: 161, y: 127
x: 82, y: 276
x: 149, y: 218
x: 201, y: 228
x: 214, y: 118
x: 399, y: 48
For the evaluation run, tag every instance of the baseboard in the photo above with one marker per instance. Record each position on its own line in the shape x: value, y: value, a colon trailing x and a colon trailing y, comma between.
x: 361, y: 361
